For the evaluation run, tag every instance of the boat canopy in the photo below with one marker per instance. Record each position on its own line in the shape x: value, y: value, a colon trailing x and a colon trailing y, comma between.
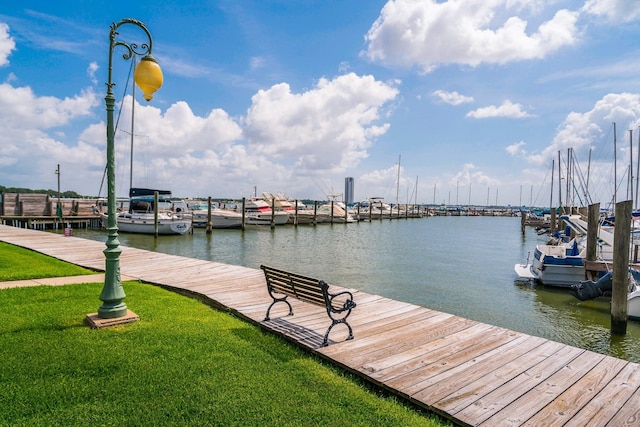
x: 134, y: 192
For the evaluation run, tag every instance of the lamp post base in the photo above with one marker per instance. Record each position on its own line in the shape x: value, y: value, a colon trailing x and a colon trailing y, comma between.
x: 111, y: 311
x: 96, y: 322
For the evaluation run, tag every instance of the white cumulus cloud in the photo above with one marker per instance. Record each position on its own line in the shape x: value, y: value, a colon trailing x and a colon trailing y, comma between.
x: 429, y: 33
x: 453, y: 98
x: 506, y: 109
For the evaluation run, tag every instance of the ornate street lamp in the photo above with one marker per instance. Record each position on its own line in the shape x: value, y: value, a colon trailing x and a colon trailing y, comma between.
x: 148, y: 76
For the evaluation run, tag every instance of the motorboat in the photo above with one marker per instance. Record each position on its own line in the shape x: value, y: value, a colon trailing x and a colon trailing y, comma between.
x: 560, y: 264
x: 375, y: 208
x: 220, y: 218
x: 298, y: 214
x: 259, y: 212
x: 555, y: 265
x: 334, y: 212
x: 144, y: 217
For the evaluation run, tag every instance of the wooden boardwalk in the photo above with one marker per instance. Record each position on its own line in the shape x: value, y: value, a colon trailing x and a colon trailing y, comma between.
x: 470, y: 372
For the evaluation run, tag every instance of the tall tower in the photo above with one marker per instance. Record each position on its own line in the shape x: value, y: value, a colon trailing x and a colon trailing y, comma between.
x: 348, y: 190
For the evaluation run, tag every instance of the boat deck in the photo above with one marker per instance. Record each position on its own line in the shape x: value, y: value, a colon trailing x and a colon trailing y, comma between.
x: 470, y: 372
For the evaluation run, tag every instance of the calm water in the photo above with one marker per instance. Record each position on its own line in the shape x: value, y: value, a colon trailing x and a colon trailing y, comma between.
x: 459, y: 265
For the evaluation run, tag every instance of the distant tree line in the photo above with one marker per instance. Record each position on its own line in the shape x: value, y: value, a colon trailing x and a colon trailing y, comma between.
x: 52, y: 193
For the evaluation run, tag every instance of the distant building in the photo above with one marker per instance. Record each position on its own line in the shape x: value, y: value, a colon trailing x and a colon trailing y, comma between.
x: 348, y: 190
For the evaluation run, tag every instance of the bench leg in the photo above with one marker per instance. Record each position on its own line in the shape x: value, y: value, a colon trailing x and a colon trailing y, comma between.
x: 325, y: 342
x: 275, y: 300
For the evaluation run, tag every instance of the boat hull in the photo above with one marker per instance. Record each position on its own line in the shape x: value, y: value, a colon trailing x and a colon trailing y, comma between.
x: 219, y: 220
x: 264, y: 218
x: 552, y: 266
x: 143, y: 224
x: 633, y: 310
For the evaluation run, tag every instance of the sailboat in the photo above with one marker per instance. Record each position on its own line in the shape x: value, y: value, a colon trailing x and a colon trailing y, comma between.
x: 154, y: 212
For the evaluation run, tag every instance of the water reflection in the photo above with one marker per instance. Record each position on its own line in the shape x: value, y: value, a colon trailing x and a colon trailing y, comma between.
x: 459, y: 265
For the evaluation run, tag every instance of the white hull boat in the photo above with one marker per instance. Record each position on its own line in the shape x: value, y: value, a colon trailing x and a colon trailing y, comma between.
x: 258, y: 212
x: 173, y: 216
x: 552, y: 265
x: 145, y: 223
x: 220, y: 218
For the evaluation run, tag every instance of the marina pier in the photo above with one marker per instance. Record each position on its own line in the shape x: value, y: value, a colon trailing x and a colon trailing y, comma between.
x: 470, y: 372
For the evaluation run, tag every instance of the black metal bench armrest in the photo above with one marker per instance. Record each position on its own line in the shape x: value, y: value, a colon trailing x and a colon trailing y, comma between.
x: 348, y: 304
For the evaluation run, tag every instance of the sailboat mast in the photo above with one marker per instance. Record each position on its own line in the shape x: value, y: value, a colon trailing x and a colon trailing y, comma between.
x: 559, y: 182
x: 553, y: 166
x: 631, y: 164
x: 615, y: 166
x: 589, y: 170
x: 637, y: 172
x: 398, y: 184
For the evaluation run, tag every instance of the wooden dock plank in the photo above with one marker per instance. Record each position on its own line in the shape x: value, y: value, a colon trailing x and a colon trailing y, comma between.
x: 493, y: 402
x: 616, y: 395
x: 473, y: 373
x: 536, y: 349
x: 565, y: 406
x: 545, y: 392
x: 438, y: 363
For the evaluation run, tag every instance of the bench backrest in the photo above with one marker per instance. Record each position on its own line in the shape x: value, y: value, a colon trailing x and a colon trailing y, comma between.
x: 300, y: 287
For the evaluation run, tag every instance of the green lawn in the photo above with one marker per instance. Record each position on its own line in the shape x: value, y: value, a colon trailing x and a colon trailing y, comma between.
x: 183, y: 363
x: 18, y: 263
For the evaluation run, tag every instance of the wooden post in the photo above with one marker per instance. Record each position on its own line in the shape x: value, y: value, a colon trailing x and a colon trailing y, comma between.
x: 155, y: 213
x: 315, y: 212
x: 244, y: 200
x: 553, y: 220
x: 523, y: 221
x: 209, y: 221
x: 273, y: 213
x: 621, y: 241
x: 593, y: 215
x: 331, y: 212
x: 295, y: 218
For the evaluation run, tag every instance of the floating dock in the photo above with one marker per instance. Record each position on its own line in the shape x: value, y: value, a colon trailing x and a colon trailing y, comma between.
x: 470, y: 372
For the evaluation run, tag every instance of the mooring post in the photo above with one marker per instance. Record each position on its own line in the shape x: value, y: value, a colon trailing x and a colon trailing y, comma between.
x: 244, y: 200
x: 209, y: 220
x: 593, y: 215
x: 155, y: 214
x: 523, y: 221
x: 620, y: 290
x: 273, y: 213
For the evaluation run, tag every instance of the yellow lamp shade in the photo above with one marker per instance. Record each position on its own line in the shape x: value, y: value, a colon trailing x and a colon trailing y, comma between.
x: 148, y: 76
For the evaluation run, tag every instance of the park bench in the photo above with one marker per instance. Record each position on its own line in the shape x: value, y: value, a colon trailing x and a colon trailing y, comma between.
x: 282, y: 284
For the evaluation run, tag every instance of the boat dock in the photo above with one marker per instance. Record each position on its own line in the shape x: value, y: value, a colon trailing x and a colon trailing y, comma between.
x: 470, y: 372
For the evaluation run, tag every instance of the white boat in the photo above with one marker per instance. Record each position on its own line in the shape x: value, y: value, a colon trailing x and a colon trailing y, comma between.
x: 633, y: 310
x: 554, y: 265
x: 173, y: 216
x: 220, y: 218
x: 282, y: 203
x: 334, y: 212
x: 561, y: 264
x: 259, y: 212
x: 375, y: 208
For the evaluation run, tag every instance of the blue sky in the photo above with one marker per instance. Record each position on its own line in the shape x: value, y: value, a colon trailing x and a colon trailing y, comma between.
x: 474, y: 99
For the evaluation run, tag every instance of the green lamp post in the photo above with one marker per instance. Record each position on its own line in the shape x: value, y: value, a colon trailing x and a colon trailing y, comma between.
x: 148, y: 76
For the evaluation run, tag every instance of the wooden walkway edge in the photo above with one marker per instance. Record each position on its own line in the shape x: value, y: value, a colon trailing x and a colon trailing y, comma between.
x: 471, y: 373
